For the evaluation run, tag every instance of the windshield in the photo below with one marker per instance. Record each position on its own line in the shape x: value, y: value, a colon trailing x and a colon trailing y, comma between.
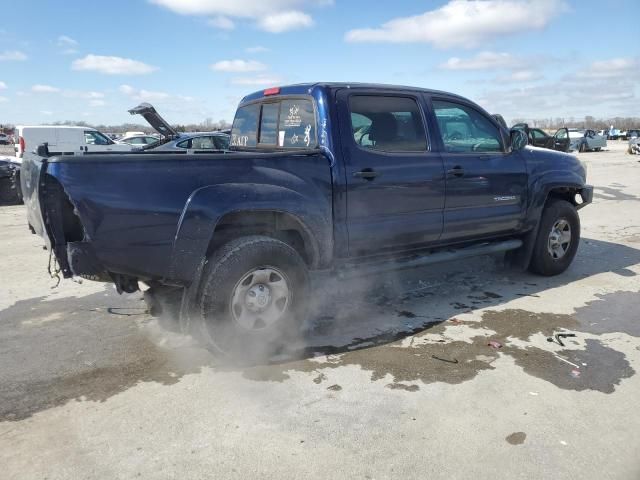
x: 576, y: 134
x: 280, y: 123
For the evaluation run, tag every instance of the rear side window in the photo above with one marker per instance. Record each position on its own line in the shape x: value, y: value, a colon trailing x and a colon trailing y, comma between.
x: 222, y: 142
x: 464, y: 129
x: 390, y: 124
x: 245, y: 126
x: 285, y: 123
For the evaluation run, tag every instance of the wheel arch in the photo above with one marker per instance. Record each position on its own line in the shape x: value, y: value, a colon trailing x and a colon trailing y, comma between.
x: 217, y: 214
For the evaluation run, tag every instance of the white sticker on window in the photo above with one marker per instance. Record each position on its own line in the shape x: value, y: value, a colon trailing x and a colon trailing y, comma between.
x: 281, y: 138
x: 294, y: 119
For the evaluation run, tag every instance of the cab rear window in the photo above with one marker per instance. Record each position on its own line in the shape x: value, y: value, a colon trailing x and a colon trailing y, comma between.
x: 285, y: 123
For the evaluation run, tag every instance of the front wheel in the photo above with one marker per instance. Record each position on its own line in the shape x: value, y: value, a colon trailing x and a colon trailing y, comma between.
x: 558, y: 239
x: 583, y: 148
x: 253, y: 297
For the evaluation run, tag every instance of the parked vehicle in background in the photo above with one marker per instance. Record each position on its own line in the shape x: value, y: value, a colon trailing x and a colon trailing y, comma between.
x: 192, y: 142
x: 67, y: 140
x: 4, y: 139
x: 613, y: 134
x: 61, y: 140
x: 634, y: 142
x: 10, y: 191
x: 172, y: 140
x: 539, y: 138
x: 139, y: 140
x: 633, y: 133
x: 585, y: 140
x: 234, y: 236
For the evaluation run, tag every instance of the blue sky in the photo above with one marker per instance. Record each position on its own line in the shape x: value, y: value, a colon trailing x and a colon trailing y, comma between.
x: 194, y: 59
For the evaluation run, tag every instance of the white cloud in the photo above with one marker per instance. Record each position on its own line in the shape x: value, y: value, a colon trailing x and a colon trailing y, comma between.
x: 274, y: 16
x: 81, y: 94
x: 3, y: 99
x: 260, y: 80
x: 285, y: 21
x: 238, y: 66
x: 236, y: 8
x: 12, y: 55
x: 603, y: 88
x: 44, y: 89
x: 143, y: 95
x: 46, y: 112
x: 112, y: 65
x: 97, y: 103
x: 221, y: 22
x: 520, y: 76
x: 482, y: 61
x: 127, y: 89
x: 3, y: 86
x: 615, y: 67
x: 256, y: 49
x: 64, y: 41
x: 462, y: 23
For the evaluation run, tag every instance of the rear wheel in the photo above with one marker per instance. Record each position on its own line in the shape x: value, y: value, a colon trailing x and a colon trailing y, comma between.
x: 253, y: 297
x: 558, y: 239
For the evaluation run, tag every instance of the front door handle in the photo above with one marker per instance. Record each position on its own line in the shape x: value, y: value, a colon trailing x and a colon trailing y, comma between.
x: 367, y: 174
x: 456, y: 171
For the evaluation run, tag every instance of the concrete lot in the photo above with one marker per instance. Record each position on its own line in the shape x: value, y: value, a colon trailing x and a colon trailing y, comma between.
x: 399, y: 381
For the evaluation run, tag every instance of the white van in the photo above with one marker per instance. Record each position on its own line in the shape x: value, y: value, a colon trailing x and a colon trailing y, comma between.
x: 64, y: 140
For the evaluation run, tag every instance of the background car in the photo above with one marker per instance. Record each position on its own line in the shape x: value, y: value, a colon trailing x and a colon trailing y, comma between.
x: 539, y: 138
x: 173, y: 141
x: 195, y: 141
x: 10, y: 191
x: 4, y: 139
x: 139, y: 140
x: 583, y: 140
x: 633, y: 133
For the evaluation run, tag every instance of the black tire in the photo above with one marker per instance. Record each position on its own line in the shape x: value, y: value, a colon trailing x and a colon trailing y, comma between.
x: 225, y: 269
x: 542, y: 260
x: 8, y: 193
x: 583, y: 148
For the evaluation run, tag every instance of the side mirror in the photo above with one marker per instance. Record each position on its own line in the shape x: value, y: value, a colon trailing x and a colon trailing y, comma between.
x: 519, y: 139
x: 43, y: 150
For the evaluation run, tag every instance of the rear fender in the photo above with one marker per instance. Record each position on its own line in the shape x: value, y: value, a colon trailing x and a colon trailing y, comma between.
x: 207, y: 205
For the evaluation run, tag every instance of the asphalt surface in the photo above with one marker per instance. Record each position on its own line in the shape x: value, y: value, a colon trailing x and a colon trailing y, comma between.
x: 445, y: 372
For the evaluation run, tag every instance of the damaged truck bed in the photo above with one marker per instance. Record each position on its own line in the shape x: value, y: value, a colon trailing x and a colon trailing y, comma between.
x: 338, y: 178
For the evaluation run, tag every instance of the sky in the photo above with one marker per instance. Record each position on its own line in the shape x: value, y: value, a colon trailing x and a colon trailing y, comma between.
x: 195, y: 59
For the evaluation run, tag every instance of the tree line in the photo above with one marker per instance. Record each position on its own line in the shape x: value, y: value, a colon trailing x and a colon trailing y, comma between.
x: 592, y: 123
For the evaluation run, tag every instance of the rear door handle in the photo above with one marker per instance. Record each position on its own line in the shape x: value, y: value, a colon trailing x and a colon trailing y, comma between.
x: 456, y: 171
x: 367, y: 174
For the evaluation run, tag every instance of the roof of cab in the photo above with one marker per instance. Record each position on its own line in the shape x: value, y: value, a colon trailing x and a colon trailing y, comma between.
x: 306, y: 88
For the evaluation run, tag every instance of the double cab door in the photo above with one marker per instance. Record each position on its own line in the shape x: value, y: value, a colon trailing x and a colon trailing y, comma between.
x: 422, y: 171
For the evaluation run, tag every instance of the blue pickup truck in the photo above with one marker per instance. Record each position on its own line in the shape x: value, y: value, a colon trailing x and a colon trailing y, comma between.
x: 348, y: 179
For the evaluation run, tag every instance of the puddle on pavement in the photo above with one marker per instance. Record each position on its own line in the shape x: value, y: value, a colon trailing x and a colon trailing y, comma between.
x: 596, y: 367
x: 611, y: 312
